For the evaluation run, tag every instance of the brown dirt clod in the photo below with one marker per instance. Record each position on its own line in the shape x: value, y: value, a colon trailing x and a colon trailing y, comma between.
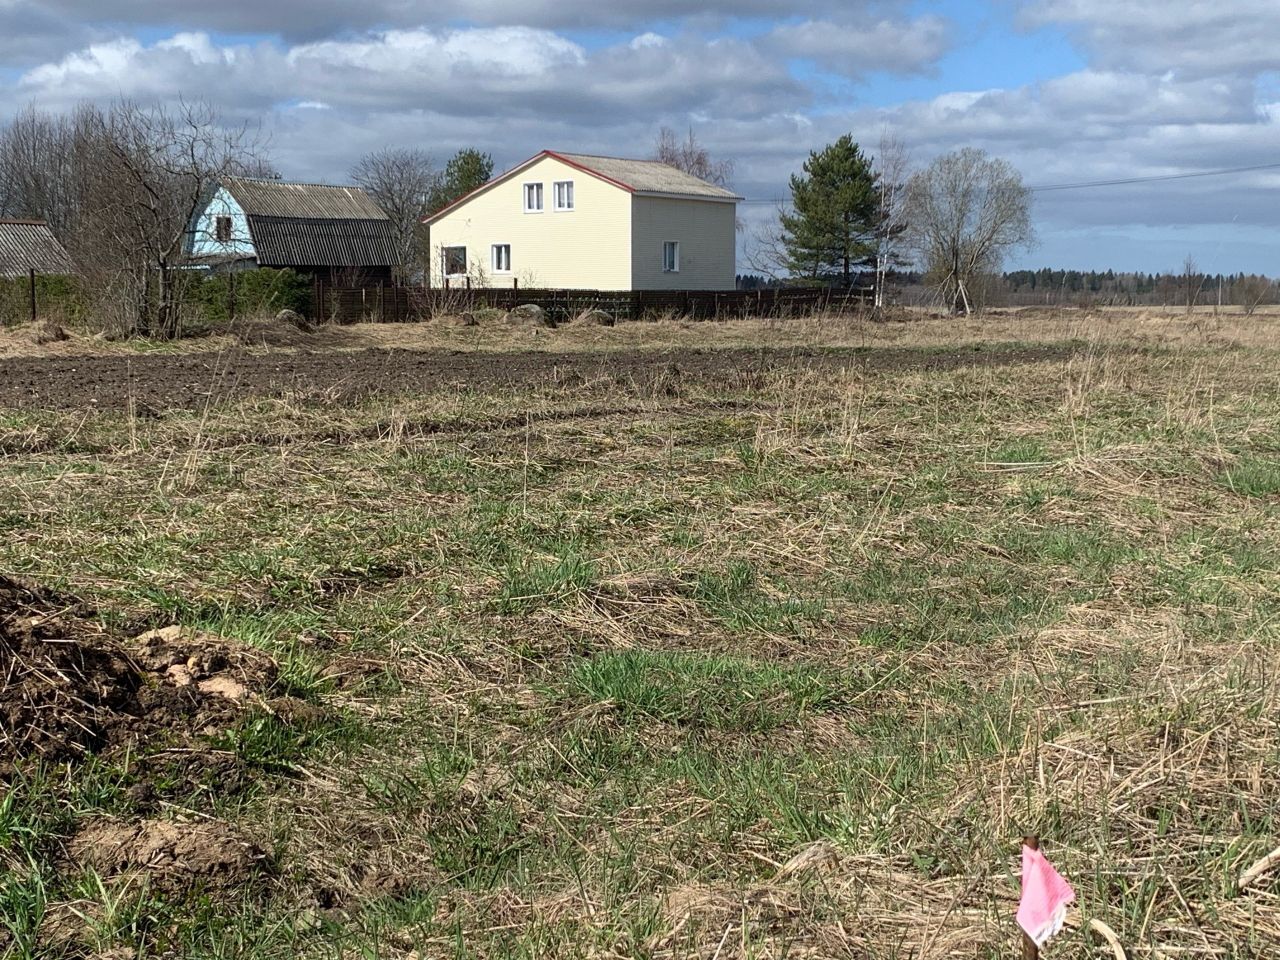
x: 174, y: 856
x: 69, y: 688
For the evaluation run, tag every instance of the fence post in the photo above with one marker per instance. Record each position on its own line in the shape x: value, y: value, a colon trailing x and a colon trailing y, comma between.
x: 31, y: 276
x: 382, y: 301
x: 468, y: 281
x: 515, y: 283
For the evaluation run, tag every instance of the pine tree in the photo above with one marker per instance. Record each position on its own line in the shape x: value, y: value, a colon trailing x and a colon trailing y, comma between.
x: 835, y: 206
x: 466, y: 170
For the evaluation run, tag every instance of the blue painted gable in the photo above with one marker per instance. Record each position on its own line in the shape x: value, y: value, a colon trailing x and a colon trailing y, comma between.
x: 202, y: 238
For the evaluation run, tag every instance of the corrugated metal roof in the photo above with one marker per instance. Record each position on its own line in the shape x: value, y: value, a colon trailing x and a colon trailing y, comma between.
x: 648, y: 176
x: 311, y: 201
x: 307, y: 242
x: 30, y: 244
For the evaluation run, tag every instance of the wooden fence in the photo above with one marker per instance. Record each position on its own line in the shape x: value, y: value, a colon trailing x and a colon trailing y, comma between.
x: 399, y: 304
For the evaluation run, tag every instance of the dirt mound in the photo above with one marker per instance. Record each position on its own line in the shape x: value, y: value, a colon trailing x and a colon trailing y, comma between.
x: 275, y: 332
x: 207, y: 855
x: 68, y: 688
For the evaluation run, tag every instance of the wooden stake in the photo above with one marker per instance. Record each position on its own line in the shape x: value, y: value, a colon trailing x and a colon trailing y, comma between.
x: 31, y: 275
x: 1029, y: 949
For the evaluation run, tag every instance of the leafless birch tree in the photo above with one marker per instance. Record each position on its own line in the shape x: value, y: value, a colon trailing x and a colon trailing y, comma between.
x: 692, y: 157
x: 892, y: 168
x: 966, y: 211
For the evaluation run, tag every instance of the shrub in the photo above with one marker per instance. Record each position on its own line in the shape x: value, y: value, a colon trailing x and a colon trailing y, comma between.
x: 259, y: 291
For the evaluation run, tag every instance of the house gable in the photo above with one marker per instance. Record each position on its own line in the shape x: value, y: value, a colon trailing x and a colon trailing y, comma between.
x: 579, y: 237
x: 203, y: 236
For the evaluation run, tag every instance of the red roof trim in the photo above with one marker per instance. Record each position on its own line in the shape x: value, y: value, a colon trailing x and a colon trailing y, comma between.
x: 516, y: 169
x: 585, y: 169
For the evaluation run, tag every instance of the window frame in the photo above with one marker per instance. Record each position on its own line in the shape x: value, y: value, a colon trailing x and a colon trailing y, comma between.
x: 674, y: 247
x: 493, y: 257
x: 555, y: 196
x: 542, y: 199
x: 444, y: 260
x: 220, y: 221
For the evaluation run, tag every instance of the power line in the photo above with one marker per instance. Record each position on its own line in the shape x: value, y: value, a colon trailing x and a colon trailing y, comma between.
x: 1125, y: 181
x: 1119, y: 182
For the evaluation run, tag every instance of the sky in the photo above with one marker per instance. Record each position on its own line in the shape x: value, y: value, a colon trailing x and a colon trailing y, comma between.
x: 1068, y: 91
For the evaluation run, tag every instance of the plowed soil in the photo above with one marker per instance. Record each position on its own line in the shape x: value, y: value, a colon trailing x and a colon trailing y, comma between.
x: 68, y: 688
x: 190, y: 381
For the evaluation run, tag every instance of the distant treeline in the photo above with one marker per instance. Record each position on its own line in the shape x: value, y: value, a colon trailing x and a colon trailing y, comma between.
x: 1048, y: 287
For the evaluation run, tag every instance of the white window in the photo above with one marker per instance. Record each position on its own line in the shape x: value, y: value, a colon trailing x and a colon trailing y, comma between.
x: 564, y: 194
x: 533, y: 198
x: 455, y: 261
x: 501, y: 256
x: 671, y: 256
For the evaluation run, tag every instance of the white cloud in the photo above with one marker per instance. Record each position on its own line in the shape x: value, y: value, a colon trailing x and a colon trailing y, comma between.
x: 313, y: 19
x: 1189, y: 37
x: 857, y: 48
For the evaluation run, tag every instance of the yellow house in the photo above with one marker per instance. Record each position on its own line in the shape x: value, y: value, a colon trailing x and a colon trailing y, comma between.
x: 564, y: 220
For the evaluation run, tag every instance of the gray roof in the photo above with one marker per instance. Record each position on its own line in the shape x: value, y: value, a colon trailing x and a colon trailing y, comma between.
x: 648, y: 176
x: 27, y: 245
x: 299, y: 242
x: 318, y: 201
x: 313, y: 224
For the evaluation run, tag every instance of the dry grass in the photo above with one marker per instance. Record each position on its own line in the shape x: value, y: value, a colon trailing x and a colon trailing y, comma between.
x: 776, y: 667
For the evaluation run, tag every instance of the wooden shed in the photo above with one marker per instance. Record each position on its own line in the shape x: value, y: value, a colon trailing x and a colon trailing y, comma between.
x: 319, y: 229
x: 29, y: 246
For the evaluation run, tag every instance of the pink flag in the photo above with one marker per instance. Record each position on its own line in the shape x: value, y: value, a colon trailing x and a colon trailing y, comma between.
x: 1045, y: 896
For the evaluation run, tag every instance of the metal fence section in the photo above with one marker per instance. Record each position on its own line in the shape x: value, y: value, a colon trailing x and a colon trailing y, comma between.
x: 387, y: 303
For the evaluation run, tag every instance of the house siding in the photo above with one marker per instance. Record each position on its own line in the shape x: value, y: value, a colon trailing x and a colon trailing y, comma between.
x: 587, y: 248
x: 706, y: 232
x: 204, y: 238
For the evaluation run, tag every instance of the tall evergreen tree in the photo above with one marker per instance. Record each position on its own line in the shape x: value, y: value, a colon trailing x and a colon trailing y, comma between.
x: 835, y: 213
x: 466, y: 170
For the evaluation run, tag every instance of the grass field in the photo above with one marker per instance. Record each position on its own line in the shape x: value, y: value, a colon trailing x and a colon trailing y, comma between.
x: 779, y: 663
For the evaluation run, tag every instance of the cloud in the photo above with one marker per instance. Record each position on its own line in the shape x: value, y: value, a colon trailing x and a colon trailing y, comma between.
x: 859, y: 48
x: 30, y: 33
x: 491, y: 72
x: 1187, y: 37
x: 304, y: 20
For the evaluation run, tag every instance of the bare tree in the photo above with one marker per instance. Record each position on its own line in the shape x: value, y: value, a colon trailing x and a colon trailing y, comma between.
x: 1192, y: 283
x: 892, y: 167
x: 120, y: 186
x: 39, y: 154
x: 692, y: 157
x: 966, y: 211
x: 1251, y: 291
x: 765, y: 249
x: 402, y: 182
x: 155, y: 168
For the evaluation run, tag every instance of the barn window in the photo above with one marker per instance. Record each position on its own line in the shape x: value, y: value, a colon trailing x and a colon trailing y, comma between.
x: 501, y: 258
x: 455, y: 261
x: 533, y: 198
x: 671, y: 256
x: 222, y: 229
x: 564, y: 194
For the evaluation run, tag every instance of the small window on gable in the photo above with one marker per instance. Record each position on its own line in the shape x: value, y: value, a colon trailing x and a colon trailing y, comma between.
x: 671, y: 256
x: 501, y: 257
x: 222, y: 229
x: 455, y: 261
x: 533, y: 198
x: 564, y: 194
